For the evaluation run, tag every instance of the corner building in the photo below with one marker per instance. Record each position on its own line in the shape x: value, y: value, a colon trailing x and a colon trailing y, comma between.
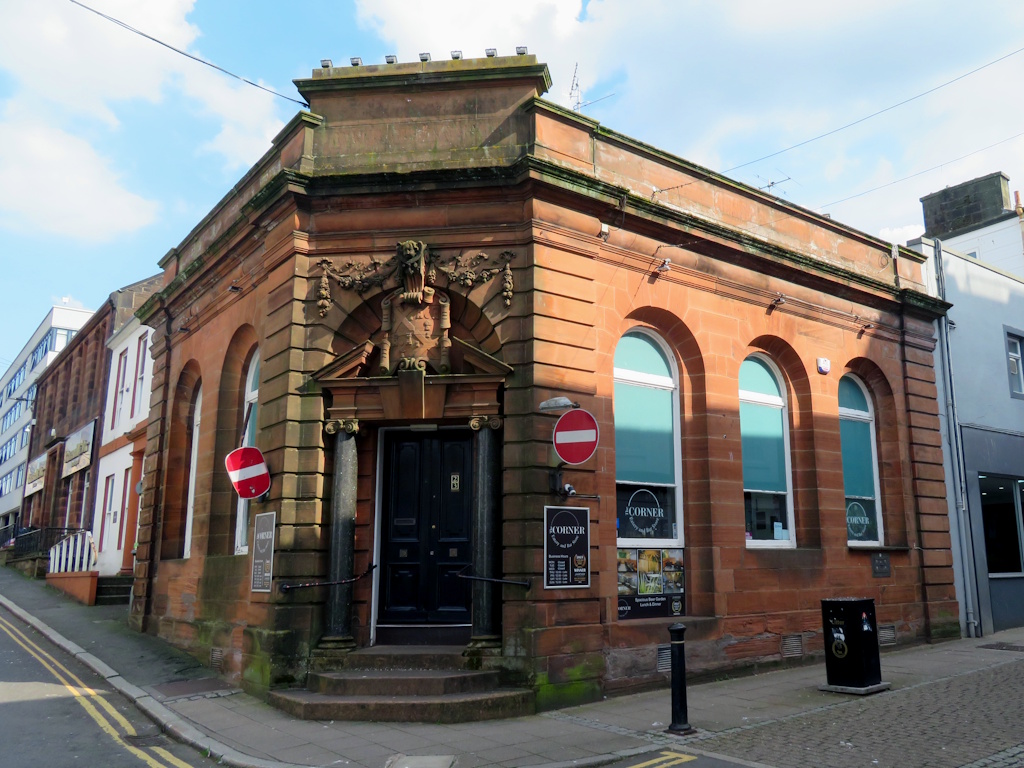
x: 383, y: 303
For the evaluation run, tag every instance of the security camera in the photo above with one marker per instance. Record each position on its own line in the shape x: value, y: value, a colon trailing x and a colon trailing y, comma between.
x: 569, y: 490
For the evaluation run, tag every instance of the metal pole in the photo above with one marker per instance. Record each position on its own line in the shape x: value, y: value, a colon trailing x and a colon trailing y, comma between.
x: 680, y: 720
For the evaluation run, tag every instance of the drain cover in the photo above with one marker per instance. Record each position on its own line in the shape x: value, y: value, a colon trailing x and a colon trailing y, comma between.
x: 139, y: 740
x: 1003, y: 647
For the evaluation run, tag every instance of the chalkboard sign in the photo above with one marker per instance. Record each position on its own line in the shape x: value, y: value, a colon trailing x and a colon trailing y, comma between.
x: 263, y: 552
x: 566, y: 547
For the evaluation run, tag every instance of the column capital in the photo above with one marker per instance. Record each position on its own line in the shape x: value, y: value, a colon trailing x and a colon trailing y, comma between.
x: 350, y: 426
x: 476, y: 423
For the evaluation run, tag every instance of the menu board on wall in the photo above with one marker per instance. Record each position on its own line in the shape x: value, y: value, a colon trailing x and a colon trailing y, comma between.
x: 263, y: 552
x: 566, y: 547
x: 651, y: 583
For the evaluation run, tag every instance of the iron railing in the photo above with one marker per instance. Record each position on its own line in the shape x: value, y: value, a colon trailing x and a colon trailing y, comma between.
x: 39, y: 540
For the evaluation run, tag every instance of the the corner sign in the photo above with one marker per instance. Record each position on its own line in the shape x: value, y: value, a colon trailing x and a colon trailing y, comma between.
x: 576, y: 436
x: 263, y: 552
x: 566, y: 547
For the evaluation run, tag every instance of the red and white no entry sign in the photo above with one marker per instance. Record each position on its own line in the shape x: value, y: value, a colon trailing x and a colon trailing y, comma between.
x: 248, y: 472
x: 576, y: 436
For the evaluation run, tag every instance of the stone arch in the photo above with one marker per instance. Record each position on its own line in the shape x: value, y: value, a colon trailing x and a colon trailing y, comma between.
x: 223, y: 507
x: 179, y: 459
x: 888, y: 425
x: 802, y: 437
x: 697, y: 513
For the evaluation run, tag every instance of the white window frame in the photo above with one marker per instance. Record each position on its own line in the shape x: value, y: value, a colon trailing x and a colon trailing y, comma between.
x: 869, y: 417
x: 664, y: 383
x: 250, y: 401
x: 193, y: 463
x: 141, y: 346
x: 119, y: 388
x: 1014, y: 344
x: 757, y: 398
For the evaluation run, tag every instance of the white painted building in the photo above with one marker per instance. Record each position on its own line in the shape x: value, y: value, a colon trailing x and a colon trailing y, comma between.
x: 17, y: 393
x: 980, y: 380
x: 115, y: 518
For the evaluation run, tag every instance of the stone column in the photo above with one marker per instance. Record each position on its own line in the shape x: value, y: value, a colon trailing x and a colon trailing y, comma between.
x: 343, y: 529
x: 485, y: 529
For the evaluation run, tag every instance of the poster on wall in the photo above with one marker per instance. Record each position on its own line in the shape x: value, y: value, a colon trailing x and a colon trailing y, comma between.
x: 78, y: 450
x: 651, y: 583
x: 35, y: 475
x: 566, y: 547
x: 263, y: 552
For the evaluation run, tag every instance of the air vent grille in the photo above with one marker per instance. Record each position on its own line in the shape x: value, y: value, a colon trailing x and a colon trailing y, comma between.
x: 664, y: 658
x: 217, y: 659
x: 792, y: 646
x: 887, y: 634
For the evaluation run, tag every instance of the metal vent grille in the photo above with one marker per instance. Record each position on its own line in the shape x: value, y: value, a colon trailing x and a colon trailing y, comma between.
x: 791, y: 646
x: 664, y: 658
x: 887, y: 634
x: 217, y: 659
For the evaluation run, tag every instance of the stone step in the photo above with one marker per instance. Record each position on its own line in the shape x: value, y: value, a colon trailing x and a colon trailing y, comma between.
x: 452, y: 708
x: 114, y: 590
x: 405, y: 682
x: 442, y: 657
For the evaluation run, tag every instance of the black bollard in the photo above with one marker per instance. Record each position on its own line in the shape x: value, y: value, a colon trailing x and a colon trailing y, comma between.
x: 680, y: 721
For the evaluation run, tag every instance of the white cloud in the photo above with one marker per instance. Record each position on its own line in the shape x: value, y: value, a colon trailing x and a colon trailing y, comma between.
x: 56, y: 182
x: 73, y: 71
x: 901, y: 235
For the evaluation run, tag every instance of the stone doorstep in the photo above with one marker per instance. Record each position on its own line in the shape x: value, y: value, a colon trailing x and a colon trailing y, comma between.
x: 451, y: 708
x: 404, y: 682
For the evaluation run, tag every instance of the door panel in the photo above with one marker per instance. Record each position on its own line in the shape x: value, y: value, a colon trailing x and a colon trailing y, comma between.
x: 426, y: 528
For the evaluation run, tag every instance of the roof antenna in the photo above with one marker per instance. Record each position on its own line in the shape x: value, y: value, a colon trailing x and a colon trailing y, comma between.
x: 576, y: 102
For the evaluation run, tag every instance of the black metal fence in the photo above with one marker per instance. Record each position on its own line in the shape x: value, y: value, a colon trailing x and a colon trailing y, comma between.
x: 39, y: 540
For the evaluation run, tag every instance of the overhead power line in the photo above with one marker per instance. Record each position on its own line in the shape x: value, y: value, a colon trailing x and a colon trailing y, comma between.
x: 874, y: 114
x: 187, y: 55
x: 919, y: 173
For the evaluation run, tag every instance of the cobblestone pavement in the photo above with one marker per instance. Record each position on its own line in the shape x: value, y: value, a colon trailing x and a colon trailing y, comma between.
x: 970, y: 720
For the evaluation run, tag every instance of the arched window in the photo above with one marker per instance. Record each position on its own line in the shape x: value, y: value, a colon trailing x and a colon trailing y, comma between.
x: 860, y: 463
x: 764, y: 434
x: 193, y: 462
x: 249, y: 408
x: 648, y: 464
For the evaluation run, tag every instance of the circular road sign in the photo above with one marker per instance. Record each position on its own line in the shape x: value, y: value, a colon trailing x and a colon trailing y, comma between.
x: 248, y: 472
x: 576, y: 435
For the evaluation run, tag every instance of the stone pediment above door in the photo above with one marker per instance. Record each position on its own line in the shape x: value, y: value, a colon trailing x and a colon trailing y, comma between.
x: 413, y: 367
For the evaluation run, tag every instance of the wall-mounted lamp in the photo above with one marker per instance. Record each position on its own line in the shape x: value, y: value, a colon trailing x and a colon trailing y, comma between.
x: 558, y: 404
x: 520, y: 50
x: 777, y: 302
x: 234, y: 288
x: 326, y: 63
x: 424, y: 57
x: 490, y: 52
x: 355, y: 61
x: 456, y: 55
x: 604, y: 232
x: 391, y: 59
x: 665, y: 266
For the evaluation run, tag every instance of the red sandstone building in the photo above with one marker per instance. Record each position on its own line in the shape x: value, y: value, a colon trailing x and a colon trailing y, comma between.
x: 68, y: 410
x: 383, y: 304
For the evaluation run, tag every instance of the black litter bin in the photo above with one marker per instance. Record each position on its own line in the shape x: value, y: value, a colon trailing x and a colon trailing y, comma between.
x: 851, y: 643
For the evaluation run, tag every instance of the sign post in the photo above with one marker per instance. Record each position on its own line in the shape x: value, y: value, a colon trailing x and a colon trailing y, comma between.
x: 576, y: 436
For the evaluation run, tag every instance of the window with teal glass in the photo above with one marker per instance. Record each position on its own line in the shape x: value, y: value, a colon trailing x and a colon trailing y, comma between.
x: 764, y: 438
x: 647, y: 458
x: 860, y: 463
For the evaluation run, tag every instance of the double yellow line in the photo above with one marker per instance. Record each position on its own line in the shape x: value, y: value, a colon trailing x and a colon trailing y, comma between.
x: 666, y: 759
x: 112, y: 722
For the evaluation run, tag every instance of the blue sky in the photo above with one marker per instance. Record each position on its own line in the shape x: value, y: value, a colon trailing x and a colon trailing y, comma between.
x: 112, y: 147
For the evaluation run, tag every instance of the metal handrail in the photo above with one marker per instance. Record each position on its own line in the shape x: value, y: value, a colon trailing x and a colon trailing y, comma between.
x: 289, y: 587
x: 513, y: 582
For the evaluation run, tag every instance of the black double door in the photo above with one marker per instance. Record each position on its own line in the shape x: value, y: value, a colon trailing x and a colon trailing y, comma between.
x: 426, y: 534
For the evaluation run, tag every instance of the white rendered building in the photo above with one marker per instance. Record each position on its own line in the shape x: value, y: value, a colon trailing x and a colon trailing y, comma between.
x: 17, y: 393
x: 115, y: 518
